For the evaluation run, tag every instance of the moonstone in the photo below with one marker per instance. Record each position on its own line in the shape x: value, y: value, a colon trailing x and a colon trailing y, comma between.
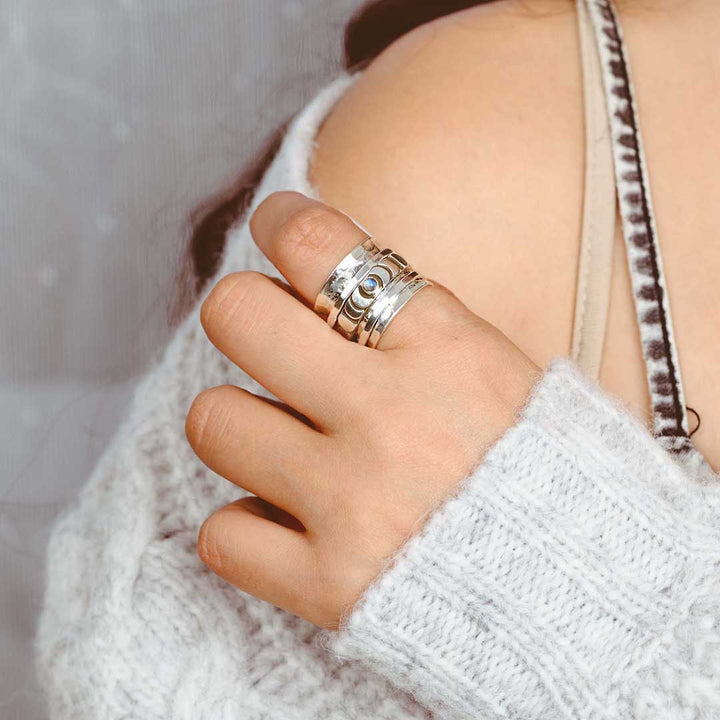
x: 369, y: 284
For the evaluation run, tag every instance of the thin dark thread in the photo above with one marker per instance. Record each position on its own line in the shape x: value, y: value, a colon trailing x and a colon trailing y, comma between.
x: 648, y: 224
x: 697, y: 415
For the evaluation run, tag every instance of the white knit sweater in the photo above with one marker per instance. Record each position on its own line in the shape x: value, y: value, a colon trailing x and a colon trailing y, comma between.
x: 574, y: 574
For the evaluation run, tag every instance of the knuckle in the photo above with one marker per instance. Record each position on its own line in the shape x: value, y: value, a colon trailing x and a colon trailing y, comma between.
x: 482, y: 349
x: 234, y: 295
x: 207, y: 419
x: 433, y: 314
x: 308, y: 230
x: 445, y: 313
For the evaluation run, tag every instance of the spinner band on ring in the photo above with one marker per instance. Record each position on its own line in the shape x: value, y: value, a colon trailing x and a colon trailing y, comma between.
x: 365, y: 291
x: 343, y: 274
x: 350, y: 284
x: 373, y: 313
x: 393, y: 307
x: 370, y: 284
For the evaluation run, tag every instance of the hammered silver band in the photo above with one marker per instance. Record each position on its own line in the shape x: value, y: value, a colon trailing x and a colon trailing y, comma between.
x: 365, y: 291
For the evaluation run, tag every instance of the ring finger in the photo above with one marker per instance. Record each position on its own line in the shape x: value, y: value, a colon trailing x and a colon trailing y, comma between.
x: 283, y: 345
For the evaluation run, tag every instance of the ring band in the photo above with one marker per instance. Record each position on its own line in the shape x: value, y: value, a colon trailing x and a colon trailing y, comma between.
x: 365, y: 291
x: 335, y: 287
x: 369, y: 284
x: 410, y: 284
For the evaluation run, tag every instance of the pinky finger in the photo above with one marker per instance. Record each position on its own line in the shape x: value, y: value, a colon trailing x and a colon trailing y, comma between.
x: 273, y: 562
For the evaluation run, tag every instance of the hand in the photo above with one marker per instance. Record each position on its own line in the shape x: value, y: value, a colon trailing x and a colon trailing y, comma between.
x: 366, y: 442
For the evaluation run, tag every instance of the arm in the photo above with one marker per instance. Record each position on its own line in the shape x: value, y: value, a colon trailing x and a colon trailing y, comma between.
x: 574, y: 574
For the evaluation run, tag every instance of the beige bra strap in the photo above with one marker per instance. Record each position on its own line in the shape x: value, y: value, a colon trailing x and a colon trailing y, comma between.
x: 592, y: 294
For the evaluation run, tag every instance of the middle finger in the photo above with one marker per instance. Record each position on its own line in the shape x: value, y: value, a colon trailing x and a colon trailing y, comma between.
x: 283, y: 345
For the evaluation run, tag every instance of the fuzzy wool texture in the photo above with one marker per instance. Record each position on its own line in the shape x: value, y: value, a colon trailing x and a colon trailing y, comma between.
x: 574, y: 573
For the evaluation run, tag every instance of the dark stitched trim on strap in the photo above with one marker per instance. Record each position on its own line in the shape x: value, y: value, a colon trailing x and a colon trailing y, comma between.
x: 641, y: 239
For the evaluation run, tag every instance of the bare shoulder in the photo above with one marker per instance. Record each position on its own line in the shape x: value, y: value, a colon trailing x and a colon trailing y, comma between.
x: 492, y: 71
x: 462, y: 145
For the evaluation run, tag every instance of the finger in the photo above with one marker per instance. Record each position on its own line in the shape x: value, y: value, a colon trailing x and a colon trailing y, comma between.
x: 305, y: 239
x: 432, y: 315
x: 260, y: 448
x: 257, y: 555
x: 281, y: 343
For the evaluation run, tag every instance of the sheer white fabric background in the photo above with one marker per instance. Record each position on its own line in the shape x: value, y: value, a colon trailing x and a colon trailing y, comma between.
x: 117, y: 117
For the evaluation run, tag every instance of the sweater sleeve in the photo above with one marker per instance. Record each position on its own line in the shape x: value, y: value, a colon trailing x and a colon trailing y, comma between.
x: 574, y: 574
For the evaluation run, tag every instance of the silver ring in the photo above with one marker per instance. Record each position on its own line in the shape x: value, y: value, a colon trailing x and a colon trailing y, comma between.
x: 401, y: 293
x: 365, y: 291
x: 369, y: 284
x: 335, y: 289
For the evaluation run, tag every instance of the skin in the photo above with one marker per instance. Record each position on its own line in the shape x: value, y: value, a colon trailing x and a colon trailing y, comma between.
x: 479, y: 179
x: 478, y: 182
x: 343, y: 484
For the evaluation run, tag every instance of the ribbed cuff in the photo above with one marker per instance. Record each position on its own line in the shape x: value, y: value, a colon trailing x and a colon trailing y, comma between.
x: 554, y: 582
